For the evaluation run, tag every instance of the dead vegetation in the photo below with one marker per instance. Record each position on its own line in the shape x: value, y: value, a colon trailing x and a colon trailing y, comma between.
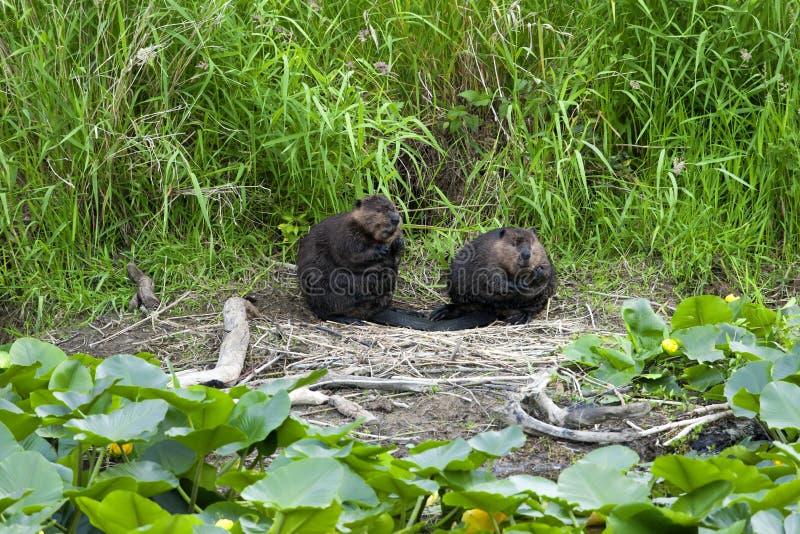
x: 415, y: 385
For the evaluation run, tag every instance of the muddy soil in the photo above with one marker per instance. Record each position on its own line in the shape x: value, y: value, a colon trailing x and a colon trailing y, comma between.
x: 288, y: 340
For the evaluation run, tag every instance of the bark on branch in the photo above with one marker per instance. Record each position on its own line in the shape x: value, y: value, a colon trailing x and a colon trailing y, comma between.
x: 233, y: 350
x: 145, y: 295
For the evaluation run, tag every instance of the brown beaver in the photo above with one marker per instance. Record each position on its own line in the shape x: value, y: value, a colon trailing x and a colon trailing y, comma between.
x: 347, y: 264
x: 505, y: 272
x: 347, y: 269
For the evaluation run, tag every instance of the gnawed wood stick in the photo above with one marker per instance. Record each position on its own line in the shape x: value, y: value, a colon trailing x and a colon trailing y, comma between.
x: 351, y: 409
x: 305, y: 397
x: 233, y: 350
x: 515, y: 414
x: 145, y: 295
x: 535, y: 397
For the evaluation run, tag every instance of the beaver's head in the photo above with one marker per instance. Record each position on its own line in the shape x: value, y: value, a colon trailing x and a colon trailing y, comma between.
x: 518, y: 250
x: 378, y: 217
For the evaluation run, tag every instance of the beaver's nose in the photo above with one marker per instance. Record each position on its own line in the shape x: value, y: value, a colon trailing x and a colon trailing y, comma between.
x: 525, y: 254
x: 395, y: 218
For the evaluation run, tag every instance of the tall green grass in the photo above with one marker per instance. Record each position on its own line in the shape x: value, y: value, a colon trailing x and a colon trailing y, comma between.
x: 198, y: 137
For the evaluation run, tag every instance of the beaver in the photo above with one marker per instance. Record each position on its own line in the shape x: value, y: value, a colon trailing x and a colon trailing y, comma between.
x: 347, y: 264
x: 505, y: 272
x: 347, y: 269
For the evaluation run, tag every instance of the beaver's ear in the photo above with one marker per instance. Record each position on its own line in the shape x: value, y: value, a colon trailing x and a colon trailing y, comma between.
x: 358, y: 203
x: 501, y: 233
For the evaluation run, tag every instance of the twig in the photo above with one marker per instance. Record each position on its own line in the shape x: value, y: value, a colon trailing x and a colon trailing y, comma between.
x: 698, y: 422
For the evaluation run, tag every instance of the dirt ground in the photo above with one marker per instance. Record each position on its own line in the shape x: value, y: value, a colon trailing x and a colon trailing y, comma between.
x: 288, y: 340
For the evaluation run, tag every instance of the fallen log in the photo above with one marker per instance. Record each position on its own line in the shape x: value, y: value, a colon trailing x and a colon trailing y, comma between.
x: 232, y: 351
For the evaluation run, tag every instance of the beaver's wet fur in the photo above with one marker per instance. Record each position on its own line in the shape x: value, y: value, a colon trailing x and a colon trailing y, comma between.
x: 505, y: 272
x: 347, y: 269
x: 347, y: 264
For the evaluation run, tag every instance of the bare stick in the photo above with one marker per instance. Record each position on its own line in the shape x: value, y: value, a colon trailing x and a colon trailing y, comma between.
x: 688, y: 428
x: 581, y: 415
x: 145, y: 295
x: 233, y: 350
x: 516, y: 415
x: 351, y: 409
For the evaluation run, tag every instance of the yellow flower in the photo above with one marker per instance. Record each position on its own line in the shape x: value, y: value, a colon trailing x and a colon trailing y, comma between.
x: 225, y: 523
x: 433, y: 498
x: 778, y: 463
x: 731, y: 297
x: 114, y: 449
x: 477, y: 520
x: 670, y: 346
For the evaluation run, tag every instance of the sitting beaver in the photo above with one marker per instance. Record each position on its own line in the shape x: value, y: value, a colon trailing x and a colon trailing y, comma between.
x: 505, y: 272
x: 347, y: 269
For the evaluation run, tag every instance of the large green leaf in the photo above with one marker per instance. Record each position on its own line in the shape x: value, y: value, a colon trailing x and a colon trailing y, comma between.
x: 701, y: 310
x: 151, y: 478
x: 781, y: 496
x: 756, y: 352
x: 8, y: 443
x: 71, y: 375
x: 753, y: 377
x: 500, y: 495
x: 256, y: 415
x: 699, y: 343
x: 309, y: 521
x: 16, y: 420
x: 171, y: 455
x: 441, y: 457
x: 780, y: 405
x: 354, y: 490
x: 206, y: 440
x: 598, y: 479
x: 135, y: 421
x: 498, y: 443
x: 27, y: 351
x: 405, y: 489
x: 28, y: 470
x: 685, y: 473
x: 582, y: 350
x: 640, y: 517
x: 758, y: 318
x: 701, y: 377
x: 132, y: 371
x: 645, y: 327
x: 767, y: 522
x: 178, y: 523
x: 703, y: 500
x: 121, y: 511
x: 307, y: 483
x: 289, y: 384
x: 787, y: 365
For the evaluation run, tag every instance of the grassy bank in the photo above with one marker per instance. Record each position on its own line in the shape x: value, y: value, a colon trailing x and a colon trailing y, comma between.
x: 196, y: 138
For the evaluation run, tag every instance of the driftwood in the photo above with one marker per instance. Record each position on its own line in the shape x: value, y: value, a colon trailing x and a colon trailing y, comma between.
x: 534, y: 396
x: 348, y: 408
x: 536, y: 399
x: 351, y: 409
x: 304, y: 396
x: 145, y: 295
x: 233, y: 350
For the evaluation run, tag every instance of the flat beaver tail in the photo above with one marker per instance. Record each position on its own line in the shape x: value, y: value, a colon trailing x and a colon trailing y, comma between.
x: 406, y: 320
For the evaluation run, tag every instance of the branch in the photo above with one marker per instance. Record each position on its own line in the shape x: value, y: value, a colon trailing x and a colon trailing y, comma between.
x: 145, y: 295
